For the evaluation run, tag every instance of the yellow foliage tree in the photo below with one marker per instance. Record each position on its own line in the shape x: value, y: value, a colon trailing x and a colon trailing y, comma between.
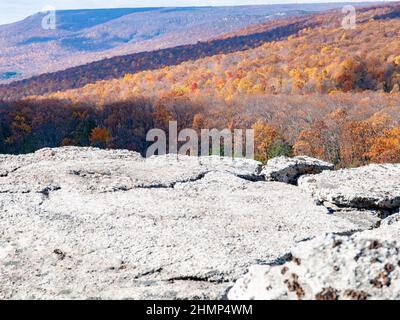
x: 265, y: 136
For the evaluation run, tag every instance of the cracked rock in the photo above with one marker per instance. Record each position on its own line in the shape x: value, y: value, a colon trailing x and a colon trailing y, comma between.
x: 83, y: 223
x: 90, y: 169
x: 289, y: 170
x: 363, y: 266
x: 373, y: 187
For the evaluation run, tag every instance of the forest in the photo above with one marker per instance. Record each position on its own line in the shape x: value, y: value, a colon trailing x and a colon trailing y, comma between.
x: 118, y: 66
x: 316, y: 60
x: 346, y: 129
x: 321, y: 91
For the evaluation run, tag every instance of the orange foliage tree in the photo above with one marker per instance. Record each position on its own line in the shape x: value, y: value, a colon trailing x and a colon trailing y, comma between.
x: 386, y: 148
x: 268, y: 141
x: 100, y: 137
x: 312, y: 142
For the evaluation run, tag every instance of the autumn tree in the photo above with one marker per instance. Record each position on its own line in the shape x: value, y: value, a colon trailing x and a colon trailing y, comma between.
x: 358, y: 136
x: 268, y: 141
x: 386, y: 147
x: 100, y: 137
x: 80, y: 126
x: 312, y: 141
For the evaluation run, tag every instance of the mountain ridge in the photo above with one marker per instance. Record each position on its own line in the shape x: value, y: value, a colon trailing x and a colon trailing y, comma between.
x: 123, y: 64
x: 84, y: 36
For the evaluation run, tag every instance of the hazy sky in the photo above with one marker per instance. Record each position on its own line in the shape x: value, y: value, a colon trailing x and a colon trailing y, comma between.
x: 14, y: 10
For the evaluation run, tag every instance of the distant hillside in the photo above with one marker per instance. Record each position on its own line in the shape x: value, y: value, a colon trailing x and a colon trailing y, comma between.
x: 118, y: 66
x: 315, y: 89
x: 84, y: 36
x: 321, y: 58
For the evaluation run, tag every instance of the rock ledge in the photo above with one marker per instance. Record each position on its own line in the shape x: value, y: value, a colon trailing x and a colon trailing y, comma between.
x: 289, y: 170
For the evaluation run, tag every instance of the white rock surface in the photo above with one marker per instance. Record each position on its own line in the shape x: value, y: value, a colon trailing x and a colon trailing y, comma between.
x: 288, y: 170
x: 85, y: 223
x: 363, y: 266
x: 371, y: 187
x: 89, y: 169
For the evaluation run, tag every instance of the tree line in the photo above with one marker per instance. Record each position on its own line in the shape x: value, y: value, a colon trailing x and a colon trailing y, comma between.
x: 346, y: 129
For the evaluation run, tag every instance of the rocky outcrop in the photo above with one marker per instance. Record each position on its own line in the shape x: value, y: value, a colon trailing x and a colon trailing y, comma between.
x: 373, y: 187
x: 88, y: 223
x: 363, y: 266
x: 87, y: 169
x: 78, y: 223
x: 289, y: 170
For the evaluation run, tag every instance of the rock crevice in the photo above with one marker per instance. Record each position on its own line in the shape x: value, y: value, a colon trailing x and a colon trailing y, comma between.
x: 76, y: 223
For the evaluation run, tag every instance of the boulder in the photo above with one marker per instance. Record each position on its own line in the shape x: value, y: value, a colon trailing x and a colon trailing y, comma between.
x: 363, y: 266
x: 79, y: 223
x: 288, y: 170
x: 373, y: 187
